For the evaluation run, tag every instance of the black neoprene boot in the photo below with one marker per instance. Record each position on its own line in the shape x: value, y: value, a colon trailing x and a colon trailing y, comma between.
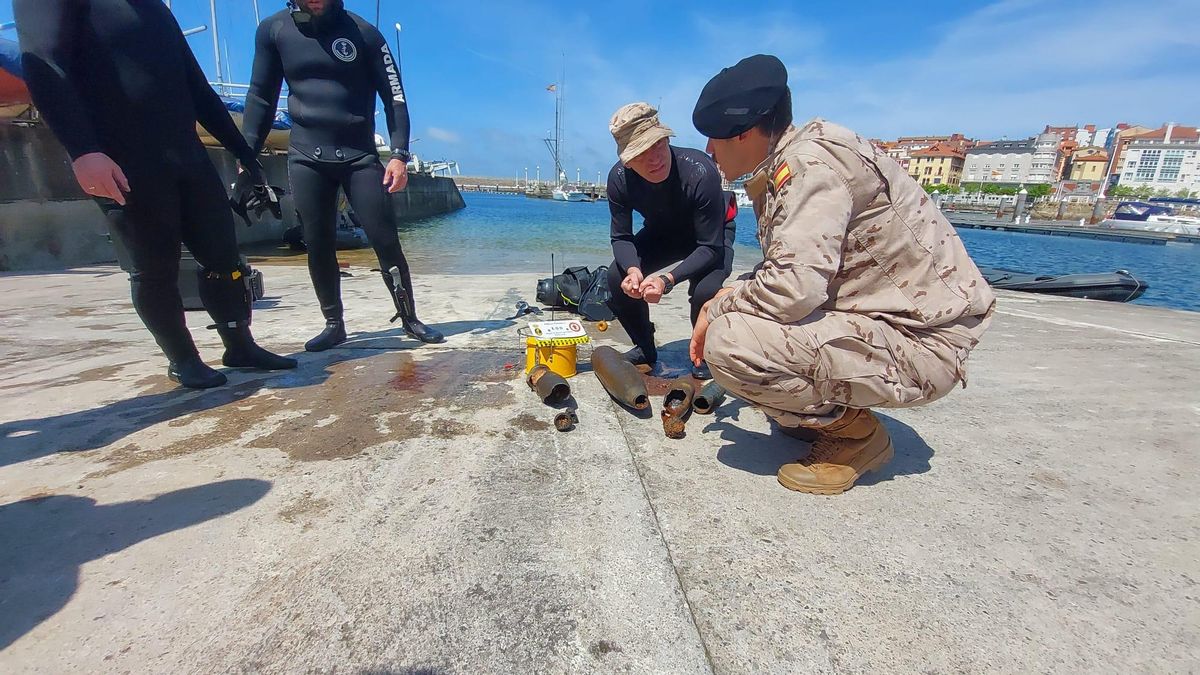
x: 644, y: 352
x: 193, y: 373
x: 401, y: 293
x: 241, y: 351
x: 333, y: 335
x: 227, y: 299
x: 640, y: 357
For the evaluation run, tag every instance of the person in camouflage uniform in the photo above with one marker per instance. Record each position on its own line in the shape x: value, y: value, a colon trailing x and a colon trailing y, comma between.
x: 865, y: 296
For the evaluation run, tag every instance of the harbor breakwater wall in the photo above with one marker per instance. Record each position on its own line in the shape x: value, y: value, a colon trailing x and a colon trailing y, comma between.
x: 48, y: 223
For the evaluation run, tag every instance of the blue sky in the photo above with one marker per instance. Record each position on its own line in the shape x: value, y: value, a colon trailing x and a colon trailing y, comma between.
x: 476, y: 72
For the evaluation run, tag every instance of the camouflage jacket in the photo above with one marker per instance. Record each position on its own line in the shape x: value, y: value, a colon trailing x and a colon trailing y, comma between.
x: 844, y: 228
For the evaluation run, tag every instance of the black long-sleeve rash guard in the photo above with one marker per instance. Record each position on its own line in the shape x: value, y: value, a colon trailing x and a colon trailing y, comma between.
x: 689, y: 206
x: 118, y: 77
x: 335, y: 66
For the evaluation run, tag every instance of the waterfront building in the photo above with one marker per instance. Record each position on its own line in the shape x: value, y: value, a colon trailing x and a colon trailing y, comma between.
x: 1167, y: 158
x: 1030, y: 160
x: 1089, y: 164
x: 937, y: 165
x: 1122, y: 137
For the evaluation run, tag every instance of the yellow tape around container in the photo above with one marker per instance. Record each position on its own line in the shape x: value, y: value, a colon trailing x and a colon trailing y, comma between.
x: 553, y: 344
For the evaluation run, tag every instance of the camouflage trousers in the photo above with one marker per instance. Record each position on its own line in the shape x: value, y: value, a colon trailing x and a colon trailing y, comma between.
x: 807, y: 373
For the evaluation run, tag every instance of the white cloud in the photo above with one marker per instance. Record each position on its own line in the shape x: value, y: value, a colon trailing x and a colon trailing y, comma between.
x: 442, y: 135
x: 1005, y: 69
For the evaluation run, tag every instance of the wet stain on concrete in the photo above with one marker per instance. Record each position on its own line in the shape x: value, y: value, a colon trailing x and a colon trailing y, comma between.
x: 155, y: 384
x: 305, y: 509
x: 527, y: 422
x: 82, y: 311
x: 450, y: 429
x: 131, y: 455
x: 599, y: 649
x: 389, y: 396
x: 91, y: 375
x: 656, y: 386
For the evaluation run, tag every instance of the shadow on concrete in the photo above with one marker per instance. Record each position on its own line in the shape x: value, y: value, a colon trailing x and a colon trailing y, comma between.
x: 763, y: 454
x: 47, y: 539
x: 92, y: 272
x: 23, y: 440
x: 673, y: 359
x: 396, y: 338
x: 452, y: 328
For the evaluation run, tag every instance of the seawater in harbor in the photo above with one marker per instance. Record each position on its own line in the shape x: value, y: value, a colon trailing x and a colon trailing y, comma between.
x: 499, y: 233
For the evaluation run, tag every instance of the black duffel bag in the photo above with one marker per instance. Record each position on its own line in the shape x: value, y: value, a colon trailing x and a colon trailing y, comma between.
x: 578, y: 290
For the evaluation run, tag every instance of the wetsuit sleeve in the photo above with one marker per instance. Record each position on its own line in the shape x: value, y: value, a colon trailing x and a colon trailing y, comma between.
x: 211, y: 112
x: 708, y: 223
x: 624, y: 250
x: 391, y: 90
x: 266, y: 81
x: 47, y: 33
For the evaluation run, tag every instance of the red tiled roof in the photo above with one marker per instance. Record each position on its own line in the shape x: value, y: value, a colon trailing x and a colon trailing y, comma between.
x: 1181, y: 133
x: 1092, y: 158
x: 940, y: 150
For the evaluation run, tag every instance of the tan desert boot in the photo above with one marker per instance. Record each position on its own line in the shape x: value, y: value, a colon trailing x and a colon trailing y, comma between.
x: 845, y: 450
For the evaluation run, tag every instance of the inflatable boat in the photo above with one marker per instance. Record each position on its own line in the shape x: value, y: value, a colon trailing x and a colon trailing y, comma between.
x: 1119, y: 286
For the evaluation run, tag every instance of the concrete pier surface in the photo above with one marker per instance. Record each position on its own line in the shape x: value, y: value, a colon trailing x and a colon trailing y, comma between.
x: 397, y: 508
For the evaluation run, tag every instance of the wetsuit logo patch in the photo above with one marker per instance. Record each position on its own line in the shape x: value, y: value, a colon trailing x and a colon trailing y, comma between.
x: 345, y: 50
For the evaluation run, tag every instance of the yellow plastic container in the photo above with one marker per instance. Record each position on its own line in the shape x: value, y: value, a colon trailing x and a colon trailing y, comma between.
x: 558, y: 358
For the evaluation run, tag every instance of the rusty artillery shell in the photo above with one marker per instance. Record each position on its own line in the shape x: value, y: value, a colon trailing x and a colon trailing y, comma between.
x: 676, y: 406
x: 620, y: 378
x: 565, y: 421
x: 709, y: 399
x: 549, y: 385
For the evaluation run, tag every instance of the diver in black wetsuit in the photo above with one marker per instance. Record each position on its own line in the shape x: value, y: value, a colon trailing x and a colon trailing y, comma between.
x: 119, y: 86
x: 335, y: 64
x: 688, y: 220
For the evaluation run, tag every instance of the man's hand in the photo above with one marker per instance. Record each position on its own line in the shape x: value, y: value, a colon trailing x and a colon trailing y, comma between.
x: 632, y: 284
x: 395, y: 177
x: 700, y: 332
x: 257, y: 176
x: 652, y: 289
x: 99, y: 176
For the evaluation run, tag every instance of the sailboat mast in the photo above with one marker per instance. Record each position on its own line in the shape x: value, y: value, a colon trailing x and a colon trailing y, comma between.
x: 212, y: 7
x: 560, y: 115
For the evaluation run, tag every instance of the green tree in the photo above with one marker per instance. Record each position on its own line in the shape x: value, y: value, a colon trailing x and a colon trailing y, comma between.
x: 941, y: 189
x: 1038, y: 190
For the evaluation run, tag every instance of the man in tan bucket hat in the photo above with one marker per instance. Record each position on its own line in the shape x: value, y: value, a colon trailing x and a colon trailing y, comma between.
x: 688, y: 222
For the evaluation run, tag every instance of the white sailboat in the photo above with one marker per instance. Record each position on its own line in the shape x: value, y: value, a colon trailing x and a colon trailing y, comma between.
x: 562, y: 191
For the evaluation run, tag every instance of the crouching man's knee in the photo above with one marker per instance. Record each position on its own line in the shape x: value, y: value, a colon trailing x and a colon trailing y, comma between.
x: 734, y: 354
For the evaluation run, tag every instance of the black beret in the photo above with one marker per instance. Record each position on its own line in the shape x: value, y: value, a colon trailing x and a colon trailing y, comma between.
x: 736, y: 99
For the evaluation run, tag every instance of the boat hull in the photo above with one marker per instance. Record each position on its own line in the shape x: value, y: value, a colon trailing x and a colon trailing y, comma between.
x: 1117, y: 286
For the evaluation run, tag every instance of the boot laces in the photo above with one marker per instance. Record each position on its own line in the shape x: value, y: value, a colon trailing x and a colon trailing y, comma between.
x: 822, y: 449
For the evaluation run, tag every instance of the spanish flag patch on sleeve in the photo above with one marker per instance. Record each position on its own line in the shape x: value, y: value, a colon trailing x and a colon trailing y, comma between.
x: 782, y: 175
